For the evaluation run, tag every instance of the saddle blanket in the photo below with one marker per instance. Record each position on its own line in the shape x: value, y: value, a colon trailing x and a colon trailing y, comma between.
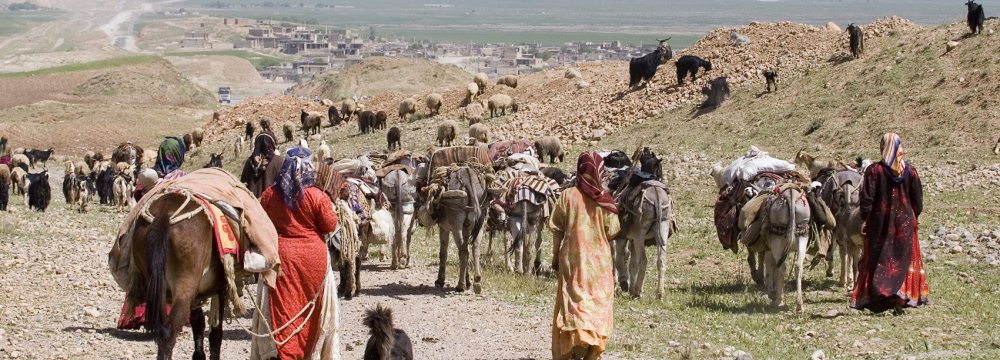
x: 226, y: 240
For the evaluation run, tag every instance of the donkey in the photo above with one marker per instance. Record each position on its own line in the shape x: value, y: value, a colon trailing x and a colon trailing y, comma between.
x: 525, y: 220
x: 646, y: 215
x: 841, y: 191
x: 787, y: 213
x: 399, y: 190
x: 462, y: 210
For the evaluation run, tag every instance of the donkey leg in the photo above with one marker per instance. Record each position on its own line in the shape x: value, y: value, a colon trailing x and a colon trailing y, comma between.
x: 621, y: 262
x: 800, y: 259
x: 756, y: 272
x: 463, y: 262
x: 844, y: 267
x: 477, y: 286
x: 215, y: 336
x: 442, y: 257
x: 198, y: 332
x: 638, y: 267
x: 348, y: 269
x: 538, y: 249
x: 180, y: 313
x: 661, y: 263
x: 357, y: 275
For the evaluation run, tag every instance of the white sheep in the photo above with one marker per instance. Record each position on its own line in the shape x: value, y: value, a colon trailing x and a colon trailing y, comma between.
x: 480, y: 133
x: 474, y: 113
x: 572, y: 73
x: 471, y: 91
x: 407, y: 107
x: 509, y: 80
x: 500, y: 103
x: 482, y: 81
x: 434, y: 102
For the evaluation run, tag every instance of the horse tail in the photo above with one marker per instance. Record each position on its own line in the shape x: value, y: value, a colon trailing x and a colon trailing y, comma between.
x: 157, y: 239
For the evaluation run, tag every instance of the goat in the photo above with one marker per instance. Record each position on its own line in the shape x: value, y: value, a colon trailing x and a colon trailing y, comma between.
x: 248, y: 134
x: 975, y: 18
x: 393, y: 138
x: 689, y: 64
x: 39, y: 191
x: 642, y: 69
x: 311, y: 121
x: 5, y: 182
x: 334, y: 115
x: 214, y: 161
x: 717, y: 92
x: 771, y: 77
x: 386, y: 342
x: 857, y: 40
x: 35, y: 156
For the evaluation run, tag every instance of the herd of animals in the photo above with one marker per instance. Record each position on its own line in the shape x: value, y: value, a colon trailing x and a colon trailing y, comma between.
x: 502, y: 189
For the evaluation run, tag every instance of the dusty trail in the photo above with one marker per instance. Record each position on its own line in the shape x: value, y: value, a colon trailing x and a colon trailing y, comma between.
x: 60, y: 302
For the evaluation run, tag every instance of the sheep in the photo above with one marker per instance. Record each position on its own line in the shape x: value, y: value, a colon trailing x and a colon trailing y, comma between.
x: 238, y: 144
x: 509, y: 80
x: 975, y: 18
x: 689, y: 64
x: 549, y: 146
x: 265, y: 124
x: 471, y: 90
x: 717, y: 92
x: 446, y: 133
x: 348, y: 108
x: 433, y: 102
x: 188, y: 141
x: 857, y: 41
x: 71, y: 192
x: 393, y: 138
x: 474, y: 113
x: 381, y: 118
x: 248, y: 133
x: 499, y: 103
x: 324, y: 151
x: 716, y: 172
x: 739, y: 39
x: 4, y: 186
x: 122, y: 190
x: 642, y: 69
x: 333, y: 115
x: 480, y: 133
x: 366, y: 121
x: 19, y: 180
x: 311, y: 121
x: 482, y: 81
x: 84, y: 193
x: 20, y: 161
x: 88, y: 157
x: 39, y: 191
x: 572, y: 73
x: 35, y: 156
x: 771, y: 76
x: 198, y: 134
x: 407, y: 107
x: 289, y: 131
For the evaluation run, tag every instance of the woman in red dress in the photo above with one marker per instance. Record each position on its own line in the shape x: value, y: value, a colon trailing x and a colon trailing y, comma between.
x: 301, y: 213
x: 891, y: 275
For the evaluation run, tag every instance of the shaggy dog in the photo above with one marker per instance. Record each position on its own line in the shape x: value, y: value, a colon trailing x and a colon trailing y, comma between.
x: 386, y: 342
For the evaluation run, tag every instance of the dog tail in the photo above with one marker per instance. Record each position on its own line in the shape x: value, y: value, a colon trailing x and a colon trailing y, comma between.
x: 379, y: 323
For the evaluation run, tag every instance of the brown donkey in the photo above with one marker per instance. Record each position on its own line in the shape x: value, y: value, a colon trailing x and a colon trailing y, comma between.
x: 178, y: 265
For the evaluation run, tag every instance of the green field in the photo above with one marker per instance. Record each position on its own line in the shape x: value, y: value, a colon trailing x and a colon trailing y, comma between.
x: 93, y: 65
x: 15, y: 22
x: 259, y: 61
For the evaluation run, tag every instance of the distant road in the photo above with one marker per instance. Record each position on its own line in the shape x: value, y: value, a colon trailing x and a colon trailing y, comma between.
x: 124, y: 38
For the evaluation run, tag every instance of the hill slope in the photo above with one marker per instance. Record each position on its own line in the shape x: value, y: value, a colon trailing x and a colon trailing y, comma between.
x: 377, y: 75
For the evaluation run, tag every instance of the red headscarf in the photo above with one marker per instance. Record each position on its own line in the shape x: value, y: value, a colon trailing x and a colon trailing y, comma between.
x: 589, y: 167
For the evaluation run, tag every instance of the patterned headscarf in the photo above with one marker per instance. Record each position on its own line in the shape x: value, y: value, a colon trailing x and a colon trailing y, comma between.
x: 892, y: 154
x: 170, y: 155
x: 296, y: 175
x: 589, y: 167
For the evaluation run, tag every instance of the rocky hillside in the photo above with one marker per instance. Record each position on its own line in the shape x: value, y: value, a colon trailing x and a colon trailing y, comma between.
x: 375, y: 76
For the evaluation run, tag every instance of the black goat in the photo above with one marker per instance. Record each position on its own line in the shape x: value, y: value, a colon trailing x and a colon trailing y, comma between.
x: 617, y: 159
x: 771, y: 77
x: 689, y: 64
x: 333, y: 115
x: 643, y: 68
x: 366, y: 121
x: 386, y: 342
x: 380, y: 119
x: 975, y: 18
x: 35, y: 156
x: 105, y: 181
x: 249, y: 132
x: 4, y: 185
x: 39, y: 191
x: 717, y: 92
x: 857, y: 40
x: 214, y: 161
x: 392, y: 137
x: 3, y: 145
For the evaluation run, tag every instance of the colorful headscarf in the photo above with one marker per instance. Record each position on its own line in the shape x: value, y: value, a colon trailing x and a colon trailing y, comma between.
x: 892, y: 154
x: 170, y: 155
x: 589, y: 167
x: 296, y: 175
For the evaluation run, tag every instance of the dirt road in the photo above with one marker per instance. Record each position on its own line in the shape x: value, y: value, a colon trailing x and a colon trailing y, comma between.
x: 60, y: 302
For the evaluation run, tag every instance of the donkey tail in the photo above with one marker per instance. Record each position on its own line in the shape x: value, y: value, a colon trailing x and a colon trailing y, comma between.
x: 157, y: 240
x: 379, y: 323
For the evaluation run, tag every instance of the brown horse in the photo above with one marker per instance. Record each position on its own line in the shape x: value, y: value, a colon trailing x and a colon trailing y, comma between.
x: 177, y: 264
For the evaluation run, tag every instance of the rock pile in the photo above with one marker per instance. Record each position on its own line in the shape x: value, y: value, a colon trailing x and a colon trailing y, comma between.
x: 978, y: 245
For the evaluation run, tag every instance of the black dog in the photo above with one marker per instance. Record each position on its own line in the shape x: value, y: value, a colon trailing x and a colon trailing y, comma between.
x: 386, y: 342
x: 689, y: 64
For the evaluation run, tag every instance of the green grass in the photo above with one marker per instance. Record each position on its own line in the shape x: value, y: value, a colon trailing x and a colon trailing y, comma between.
x: 259, y: 61
x: 87, y: 66
x: 15, y: 22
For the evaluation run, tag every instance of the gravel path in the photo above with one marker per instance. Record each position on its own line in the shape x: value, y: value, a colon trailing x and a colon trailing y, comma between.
x: 60, y: 302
